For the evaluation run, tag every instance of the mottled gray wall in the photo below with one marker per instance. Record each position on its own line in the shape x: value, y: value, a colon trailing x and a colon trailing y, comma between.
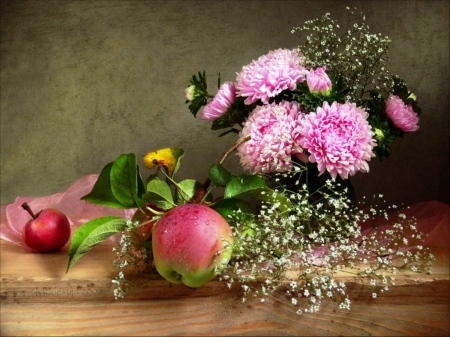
x: 84, y: 81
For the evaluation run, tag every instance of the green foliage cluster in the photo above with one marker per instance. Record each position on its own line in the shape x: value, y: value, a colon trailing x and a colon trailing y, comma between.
x: 120, y: 185
x: 200, y: 93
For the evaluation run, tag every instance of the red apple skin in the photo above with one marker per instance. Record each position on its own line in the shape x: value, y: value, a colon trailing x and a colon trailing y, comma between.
x: 189, y: 242
x: 48, y: 232
x: 143, y: 233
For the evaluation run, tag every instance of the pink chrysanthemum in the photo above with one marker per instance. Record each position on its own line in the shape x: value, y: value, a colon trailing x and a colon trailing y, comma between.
x: 318, y: 80
x: 220, y: 102
x: 338, y: 138
x: 274, y: 131
x: 269, y: 75
x: 403, y: 116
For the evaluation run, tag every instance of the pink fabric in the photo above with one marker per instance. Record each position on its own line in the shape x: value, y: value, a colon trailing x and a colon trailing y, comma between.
x: 14, y: 217
x: 432, y: 216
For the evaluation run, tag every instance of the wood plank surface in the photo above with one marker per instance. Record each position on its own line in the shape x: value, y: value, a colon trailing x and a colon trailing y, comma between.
x: 39, y: 298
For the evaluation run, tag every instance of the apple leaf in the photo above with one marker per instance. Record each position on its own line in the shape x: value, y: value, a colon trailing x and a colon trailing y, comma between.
x: 219, y: 175
x: 92, y: 233
x: 140, y: 186
x: 178, y: 154
x: 125, y: 180
x: 186, y: 189
x: 243, y: 183
x: 226, y: 207
x: 269, y: 195
x: 101, y: 193
x: 159, y: 193
x: 250, y: 186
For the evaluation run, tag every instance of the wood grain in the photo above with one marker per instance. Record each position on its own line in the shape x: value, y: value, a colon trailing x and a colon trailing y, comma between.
x: 39, y: 298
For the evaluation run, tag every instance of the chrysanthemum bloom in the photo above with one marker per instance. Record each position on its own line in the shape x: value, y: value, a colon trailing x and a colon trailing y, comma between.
x: 269, y: 75
x: 274, y: 131
x: 318, y: 80
x: 220, y: 103
x: 403, y: 116
x: 338, y: 138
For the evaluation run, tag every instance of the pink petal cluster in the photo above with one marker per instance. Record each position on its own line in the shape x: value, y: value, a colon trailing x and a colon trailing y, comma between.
x: 403, y: 116
x: 220, y: 102
x: 338, y: 138
x: 318, y: 80
x: 269, y: 75
x: 274, y: 131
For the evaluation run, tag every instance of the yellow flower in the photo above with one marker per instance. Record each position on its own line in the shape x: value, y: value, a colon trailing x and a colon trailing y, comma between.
x: 162, y: 158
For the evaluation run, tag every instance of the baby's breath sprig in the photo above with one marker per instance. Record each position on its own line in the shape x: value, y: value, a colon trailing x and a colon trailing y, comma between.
x: 133, y: 258
x: 352, y: 53
x: 304, y: 248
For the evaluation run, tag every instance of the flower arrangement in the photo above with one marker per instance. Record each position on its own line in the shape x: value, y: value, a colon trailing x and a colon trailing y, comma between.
x: 324, y: 109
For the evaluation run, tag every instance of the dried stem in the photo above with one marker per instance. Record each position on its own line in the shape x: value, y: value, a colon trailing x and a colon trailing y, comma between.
x: 234, y: 147
x: 201, y: 192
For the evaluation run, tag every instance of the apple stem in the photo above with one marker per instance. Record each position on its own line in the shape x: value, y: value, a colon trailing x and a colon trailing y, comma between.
x: 28, y: 209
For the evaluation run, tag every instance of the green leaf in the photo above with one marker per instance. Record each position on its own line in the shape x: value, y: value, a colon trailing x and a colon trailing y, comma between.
x: 178, y: 154
x: 226, y: 207
x: 124, y: 180
x: 101, y: 193
x: 268, y: 195
x: 254, y: 187
x: 140, y: 186
x: 160, y: 194
x: 186, y: 189
x: 201, y: 93
x: 219, y: 175
x: 243, y: 183
x: 92, y: 233
x: 151, y: 177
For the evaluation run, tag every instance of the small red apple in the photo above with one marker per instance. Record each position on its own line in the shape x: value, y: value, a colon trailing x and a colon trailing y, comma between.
x: 190, y: 244
x: 144, y: 216
x: 47, y: 231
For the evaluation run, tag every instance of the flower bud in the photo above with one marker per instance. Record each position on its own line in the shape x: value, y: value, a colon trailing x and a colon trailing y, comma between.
x: 189, y: 93
x: 318, y: 81
x: 379, y: 134
x: 412, y: 96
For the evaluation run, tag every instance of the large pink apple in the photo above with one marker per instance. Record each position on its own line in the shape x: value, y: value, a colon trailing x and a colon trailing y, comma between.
x: 190, y: 244
x: 47, y: 231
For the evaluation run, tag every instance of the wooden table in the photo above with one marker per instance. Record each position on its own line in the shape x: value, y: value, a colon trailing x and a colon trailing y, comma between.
x: 39, y: 298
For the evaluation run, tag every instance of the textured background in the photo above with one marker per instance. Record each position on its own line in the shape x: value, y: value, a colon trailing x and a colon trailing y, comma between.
x: 84, y: 81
